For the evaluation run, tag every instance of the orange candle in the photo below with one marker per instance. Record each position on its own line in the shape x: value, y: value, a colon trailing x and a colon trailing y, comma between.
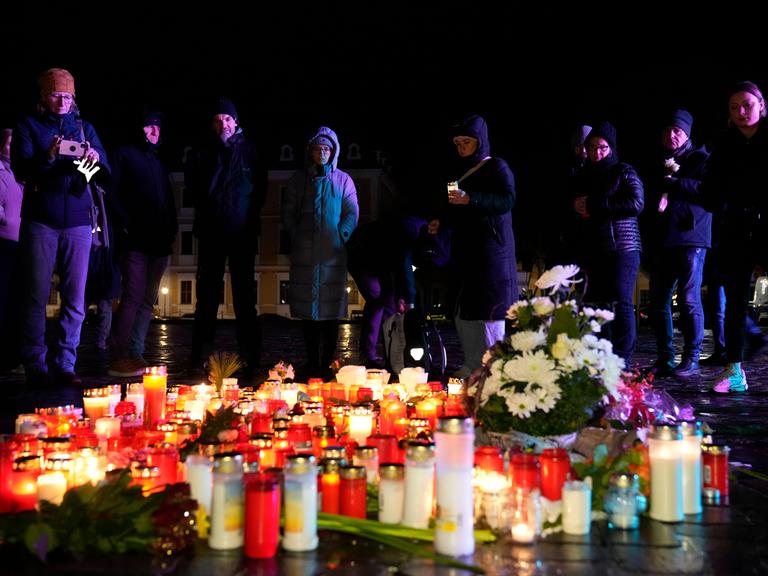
x: 427, y: 409
x: 155, y: 382
x: 391, y: 411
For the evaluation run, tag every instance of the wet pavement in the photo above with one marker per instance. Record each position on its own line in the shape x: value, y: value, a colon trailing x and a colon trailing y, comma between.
x: 724, y: 540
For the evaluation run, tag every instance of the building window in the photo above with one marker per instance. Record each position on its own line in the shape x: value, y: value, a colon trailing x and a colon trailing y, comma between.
x: 353, y: 152
x: 283, y: 291
x: 186, y: 292
x: 187, y: 241
x: 286, y: 153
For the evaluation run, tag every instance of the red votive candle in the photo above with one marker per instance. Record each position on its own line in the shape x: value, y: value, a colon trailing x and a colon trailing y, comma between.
x: 489, y: 458
x: 262, y: 514
x: 555, y: 467
x: 714, y: 463
x: 352, y: 492
x: 330, y: 485
x: 524, y: 471
x: 389, y: 450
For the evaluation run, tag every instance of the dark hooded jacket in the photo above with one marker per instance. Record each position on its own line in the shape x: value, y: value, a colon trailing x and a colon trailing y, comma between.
x: 147, y: 220
x: 228, y: 187
x: 614, y: 198
x: 483, y: 243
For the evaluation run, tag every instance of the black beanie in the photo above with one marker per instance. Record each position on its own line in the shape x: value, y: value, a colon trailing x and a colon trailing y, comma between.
x: 152, y: 119
x: 604, y: 130
x: 225, y: 106
x: 682, y: 119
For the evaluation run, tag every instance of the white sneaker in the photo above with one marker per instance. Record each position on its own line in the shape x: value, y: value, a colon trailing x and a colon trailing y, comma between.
x: 731, y: 380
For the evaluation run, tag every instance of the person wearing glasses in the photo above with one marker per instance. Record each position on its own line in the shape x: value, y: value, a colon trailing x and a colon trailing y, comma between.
x: 735, y: 188
x: 608, y: 196
x: 319, y: 211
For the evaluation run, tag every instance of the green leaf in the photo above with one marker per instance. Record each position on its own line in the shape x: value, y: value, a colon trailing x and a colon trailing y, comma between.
x: 563, y: 322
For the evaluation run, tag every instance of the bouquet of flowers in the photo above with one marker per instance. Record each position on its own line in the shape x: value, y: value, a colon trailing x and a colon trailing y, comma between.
x: 550, y: 374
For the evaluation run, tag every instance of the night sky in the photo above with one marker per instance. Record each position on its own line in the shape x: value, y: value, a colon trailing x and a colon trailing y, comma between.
x: 395, y: 76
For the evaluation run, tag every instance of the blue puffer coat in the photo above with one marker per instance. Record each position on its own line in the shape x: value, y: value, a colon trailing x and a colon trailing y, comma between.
x: 54, y: 192
x: 319, y: 211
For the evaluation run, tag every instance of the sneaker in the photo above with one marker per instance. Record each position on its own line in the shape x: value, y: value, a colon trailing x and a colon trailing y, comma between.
x: 126, y: 367
x: 731, y: 380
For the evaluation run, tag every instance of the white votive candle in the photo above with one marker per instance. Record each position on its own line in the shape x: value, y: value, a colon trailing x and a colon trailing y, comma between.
x: 577, y: 508
x: 51, y: 486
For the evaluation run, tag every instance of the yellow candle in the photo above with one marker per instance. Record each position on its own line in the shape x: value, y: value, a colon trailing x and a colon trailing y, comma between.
x: 155, y: 382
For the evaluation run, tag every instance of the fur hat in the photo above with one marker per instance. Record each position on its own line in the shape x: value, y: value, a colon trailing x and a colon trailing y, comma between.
x: 682, y: 119
x: 604, y: 130
x: 56, y: 80
x: 225, y: 106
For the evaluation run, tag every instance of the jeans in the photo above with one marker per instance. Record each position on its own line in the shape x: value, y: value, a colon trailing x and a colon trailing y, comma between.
x: 379, y: 293
x: 612, y: 282
x: 141, y: 278
x: 682, y: 269
x: 45, y: 249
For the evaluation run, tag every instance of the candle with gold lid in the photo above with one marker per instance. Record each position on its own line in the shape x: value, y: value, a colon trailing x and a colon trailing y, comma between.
x: 95, y: 402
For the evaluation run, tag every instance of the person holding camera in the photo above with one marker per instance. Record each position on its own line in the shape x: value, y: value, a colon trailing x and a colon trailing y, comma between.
x: 55, y: 154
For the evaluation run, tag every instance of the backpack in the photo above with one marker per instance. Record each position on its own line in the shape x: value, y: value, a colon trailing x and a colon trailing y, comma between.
x: 403, y: 332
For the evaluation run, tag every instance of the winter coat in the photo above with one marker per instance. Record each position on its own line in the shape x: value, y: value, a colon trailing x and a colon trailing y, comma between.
x: 147, y: 207
x: 319, y: 212
x: 614, y: 200
x: 10, y: 203
x: 735, y: 188
x: 685, y: 222
x: 55, y: 192
x: 229, y: 188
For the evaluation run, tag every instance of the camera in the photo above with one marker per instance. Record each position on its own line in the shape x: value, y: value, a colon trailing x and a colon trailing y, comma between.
x: 71, y: 148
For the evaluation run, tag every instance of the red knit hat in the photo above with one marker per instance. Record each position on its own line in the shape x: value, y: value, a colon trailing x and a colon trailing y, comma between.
x: 56, y: 80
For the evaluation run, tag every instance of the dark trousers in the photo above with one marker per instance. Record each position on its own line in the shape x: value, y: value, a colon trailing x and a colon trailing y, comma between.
x: 679, y: 268
x: 736, y: 266
x: 141, y: 275
x: 212, y: 256
x: 612, y: 282
x: 378, y: 289
x: 10, y: 310
x: 320, y: 338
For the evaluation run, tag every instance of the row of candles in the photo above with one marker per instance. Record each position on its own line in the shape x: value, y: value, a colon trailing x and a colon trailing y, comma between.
x: 503, y: 491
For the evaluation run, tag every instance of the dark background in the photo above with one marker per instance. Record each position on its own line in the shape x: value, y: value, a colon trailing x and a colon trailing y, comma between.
x: 395, y: 76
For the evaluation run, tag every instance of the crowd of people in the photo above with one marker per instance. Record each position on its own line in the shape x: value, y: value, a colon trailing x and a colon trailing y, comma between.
x: 688, y: 211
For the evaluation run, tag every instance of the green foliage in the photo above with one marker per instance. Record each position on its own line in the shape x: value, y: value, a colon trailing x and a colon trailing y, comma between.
x: 225, y: 418
x: 601, y: 467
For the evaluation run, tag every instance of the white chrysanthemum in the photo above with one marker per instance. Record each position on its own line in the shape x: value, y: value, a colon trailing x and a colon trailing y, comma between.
x: 532, y: 367
x: 604, y: 315
x: 491, y: 386
x: 558, y: 277
x: 512, y: 311
x: 497, y: 368
x: 528, y: 340
x: 587, y: 311
x: 545, y: 403
x: 594, y: 325
x: 520, y: 405
x: 611, y: 374
x: 543, y: 305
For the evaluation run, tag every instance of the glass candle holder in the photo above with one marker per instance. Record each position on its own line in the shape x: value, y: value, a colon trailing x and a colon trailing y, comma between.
x: 352, y: 491
x: 262, y: 514
x: 623, y: 501
x: 368, y: 457
x: 300, y: 526
x: 391, y: 493
x: 715, y: 472
x: 523, y: 524
x: 360, y: 423
x: 419, y: 478
x: 51, y: 486
x: 692, y: 436
x: 665, y: 450
x: 95, y: 402
x: 555, y: 466
x: 489, y: 459
x: 330, y: 481
x: 134, y: 392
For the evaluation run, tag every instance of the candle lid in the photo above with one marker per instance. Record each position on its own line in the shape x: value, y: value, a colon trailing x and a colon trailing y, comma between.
x: 455, y: 425
x: 228, y: 462
x: 331, y: 465
x: 391, y: 471
x: 660, y: 431
x: 280, y: 424
x: 420, y: 451
x: 27, y: 463
x: 352, y: 472
x: 324, y: 432
x: 690, y: 428
x: 624, y: 480
x: 300, y: 463
x: 335, y: 452
x: 366, y: 452
x: 715, y: 449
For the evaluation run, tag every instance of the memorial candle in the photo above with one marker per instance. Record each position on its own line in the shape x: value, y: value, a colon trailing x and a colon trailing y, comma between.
x: 51, y: 486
